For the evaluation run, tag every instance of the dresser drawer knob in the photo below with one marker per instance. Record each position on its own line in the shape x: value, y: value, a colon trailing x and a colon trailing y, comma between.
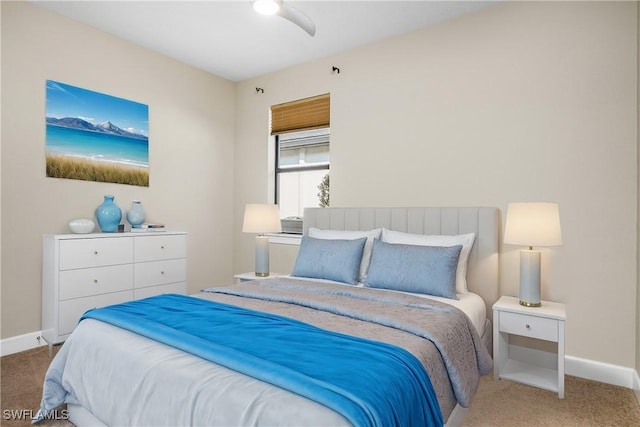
x: 527, y: 326
x: 162, y: 272
x: 95, y: 252
x: 95, y: 280
x: 162, y: 247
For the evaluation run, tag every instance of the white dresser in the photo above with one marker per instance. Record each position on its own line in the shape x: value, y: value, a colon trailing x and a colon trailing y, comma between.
x: 83, y: 271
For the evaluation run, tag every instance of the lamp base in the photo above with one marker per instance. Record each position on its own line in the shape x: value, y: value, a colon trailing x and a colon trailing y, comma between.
x: 530, y: 278
x: 530, y: 304
x: 262, y: 256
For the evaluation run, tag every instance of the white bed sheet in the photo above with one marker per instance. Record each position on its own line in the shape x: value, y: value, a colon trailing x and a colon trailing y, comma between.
x: 174, y: 387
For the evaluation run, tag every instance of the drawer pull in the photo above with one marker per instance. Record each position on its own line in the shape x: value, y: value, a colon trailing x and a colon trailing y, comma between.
x: 527, y: 326
x: 162, y: 272
x: 162, y: 247
x: 95, y: 252
x: 95, y: 280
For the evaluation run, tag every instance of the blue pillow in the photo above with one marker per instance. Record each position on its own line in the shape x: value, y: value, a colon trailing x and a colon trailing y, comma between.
x: 337, y: 260
x: 427, y: 270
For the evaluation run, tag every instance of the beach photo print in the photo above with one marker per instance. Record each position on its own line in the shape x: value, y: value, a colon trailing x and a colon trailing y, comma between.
x: 96, y: 137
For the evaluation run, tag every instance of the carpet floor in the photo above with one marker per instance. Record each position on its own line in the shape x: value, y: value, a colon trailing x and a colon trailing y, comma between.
x: 497, y: 403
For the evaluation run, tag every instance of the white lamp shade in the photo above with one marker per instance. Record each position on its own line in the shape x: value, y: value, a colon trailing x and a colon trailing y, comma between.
x: 261, y: 218
x: 533, y: 224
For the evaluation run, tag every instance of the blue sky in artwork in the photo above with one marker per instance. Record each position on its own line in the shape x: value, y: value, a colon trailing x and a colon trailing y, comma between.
x: 69, y: 101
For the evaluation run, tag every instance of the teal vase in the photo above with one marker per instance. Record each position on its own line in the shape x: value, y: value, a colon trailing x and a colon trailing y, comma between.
x: 108, y: 215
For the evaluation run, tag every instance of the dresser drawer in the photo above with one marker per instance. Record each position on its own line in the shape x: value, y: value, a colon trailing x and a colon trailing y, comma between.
x: 529, y: 326
x: 83, y: 253
x: 160, y: 272
x: 71, y: 310
x: 159, y: 247
x: 85, y: 282
x: 171, y: 288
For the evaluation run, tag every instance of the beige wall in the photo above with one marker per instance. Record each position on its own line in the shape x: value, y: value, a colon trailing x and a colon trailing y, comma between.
x: 525, y: 101
x: 1, y: 68
x: 191, y: 126
x: 637, y: 366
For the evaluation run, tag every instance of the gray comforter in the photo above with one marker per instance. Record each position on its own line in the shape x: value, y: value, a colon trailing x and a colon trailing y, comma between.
x: 439, y: 335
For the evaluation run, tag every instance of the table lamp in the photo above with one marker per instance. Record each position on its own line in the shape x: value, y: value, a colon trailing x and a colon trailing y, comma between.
x: 261, y: 218
x: 532, y: 224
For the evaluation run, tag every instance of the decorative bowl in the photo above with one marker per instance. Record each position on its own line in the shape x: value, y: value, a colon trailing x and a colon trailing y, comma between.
x: 81, y: 226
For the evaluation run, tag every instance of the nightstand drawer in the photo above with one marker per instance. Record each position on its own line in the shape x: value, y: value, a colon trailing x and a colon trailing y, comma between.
x: 86, y: 282
x: 529, y: 326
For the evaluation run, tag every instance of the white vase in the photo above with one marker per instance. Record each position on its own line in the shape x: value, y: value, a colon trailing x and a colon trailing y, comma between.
x: 136, y: 214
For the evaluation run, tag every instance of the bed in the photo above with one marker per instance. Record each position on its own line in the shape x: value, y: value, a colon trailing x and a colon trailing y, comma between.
x: 109, y: 375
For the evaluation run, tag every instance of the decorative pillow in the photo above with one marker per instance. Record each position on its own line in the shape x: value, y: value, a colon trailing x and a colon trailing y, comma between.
x: 427, y: 270
x: 350, y: 235
x: 466, y: 240
x: 337, y: 260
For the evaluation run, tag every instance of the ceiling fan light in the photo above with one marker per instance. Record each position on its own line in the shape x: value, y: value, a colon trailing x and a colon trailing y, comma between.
x: 266, y: 7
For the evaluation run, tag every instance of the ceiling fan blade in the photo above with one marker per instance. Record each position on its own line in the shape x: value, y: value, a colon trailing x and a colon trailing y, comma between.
x: 297, y: 17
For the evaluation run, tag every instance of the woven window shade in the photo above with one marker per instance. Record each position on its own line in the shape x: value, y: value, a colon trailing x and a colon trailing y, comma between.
x: 304, y: 114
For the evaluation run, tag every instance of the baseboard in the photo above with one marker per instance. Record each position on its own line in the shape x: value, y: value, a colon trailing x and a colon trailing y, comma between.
x: 598, y: 371
x: 636, y: 387
x: 20, y: 343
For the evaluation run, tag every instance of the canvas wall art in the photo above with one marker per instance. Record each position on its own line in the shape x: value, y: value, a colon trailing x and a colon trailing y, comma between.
x: 96, y: 137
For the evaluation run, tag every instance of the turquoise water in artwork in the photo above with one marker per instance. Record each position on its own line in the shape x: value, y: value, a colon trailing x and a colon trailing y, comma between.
x: 97, y: 146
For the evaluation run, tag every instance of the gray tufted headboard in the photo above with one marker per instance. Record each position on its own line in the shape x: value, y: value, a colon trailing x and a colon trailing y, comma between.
x: 483, y: 271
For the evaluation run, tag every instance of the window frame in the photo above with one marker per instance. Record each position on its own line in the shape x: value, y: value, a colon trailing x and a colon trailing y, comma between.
x: 279, y: 169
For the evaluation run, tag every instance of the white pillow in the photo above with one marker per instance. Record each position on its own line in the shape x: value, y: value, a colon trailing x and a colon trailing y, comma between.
x: 317, y: 233
x: 466, y: 240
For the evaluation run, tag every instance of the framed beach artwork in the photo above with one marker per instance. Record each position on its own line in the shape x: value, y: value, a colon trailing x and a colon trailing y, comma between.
x: 96, y: 137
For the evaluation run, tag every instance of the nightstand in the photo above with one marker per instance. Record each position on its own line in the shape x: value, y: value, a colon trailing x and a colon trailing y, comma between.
x: 542, y: 323
x: 246, y: 277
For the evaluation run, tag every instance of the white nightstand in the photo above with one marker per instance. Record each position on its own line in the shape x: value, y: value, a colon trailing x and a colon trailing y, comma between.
x: 246, y: 277
x: 543, y: 323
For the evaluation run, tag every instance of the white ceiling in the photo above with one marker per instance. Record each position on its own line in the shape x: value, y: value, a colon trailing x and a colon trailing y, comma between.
x: 229, y: 39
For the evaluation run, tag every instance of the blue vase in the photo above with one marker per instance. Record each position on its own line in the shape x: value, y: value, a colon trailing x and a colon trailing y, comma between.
x: 135, y: 215
x: 108, y: 215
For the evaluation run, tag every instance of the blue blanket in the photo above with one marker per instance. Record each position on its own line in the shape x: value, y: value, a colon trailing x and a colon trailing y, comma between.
x: 370, y: 383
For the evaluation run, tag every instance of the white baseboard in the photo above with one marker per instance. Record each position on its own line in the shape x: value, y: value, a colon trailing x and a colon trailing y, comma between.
x: 636, y: 386
x: 598, y: 371
x: 21, y: 343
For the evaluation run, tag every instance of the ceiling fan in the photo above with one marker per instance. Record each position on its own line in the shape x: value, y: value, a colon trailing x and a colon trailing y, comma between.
x: 272, y: 7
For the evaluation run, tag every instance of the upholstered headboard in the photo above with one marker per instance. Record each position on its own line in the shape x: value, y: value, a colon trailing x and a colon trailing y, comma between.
x: 483, y: 270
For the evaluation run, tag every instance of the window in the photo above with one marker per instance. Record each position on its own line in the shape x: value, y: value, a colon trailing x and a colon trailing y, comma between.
x: 302, y: 162
x: 301, y: 130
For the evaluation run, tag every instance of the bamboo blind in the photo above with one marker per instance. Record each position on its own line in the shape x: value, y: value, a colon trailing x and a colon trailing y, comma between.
x: 303, y: 114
